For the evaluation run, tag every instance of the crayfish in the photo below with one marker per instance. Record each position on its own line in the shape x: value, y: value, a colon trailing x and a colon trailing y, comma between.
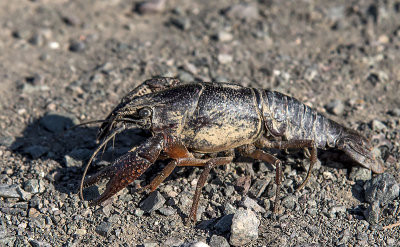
x: 188, y: 120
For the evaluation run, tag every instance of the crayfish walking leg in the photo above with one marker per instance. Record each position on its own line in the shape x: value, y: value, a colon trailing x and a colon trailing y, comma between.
x: 252, y: 152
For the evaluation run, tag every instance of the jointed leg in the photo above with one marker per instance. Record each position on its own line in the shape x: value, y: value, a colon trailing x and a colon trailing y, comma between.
x: 202, y: 180
x: 171, y: 166
x: 297, y: 144
x: 258, y: 154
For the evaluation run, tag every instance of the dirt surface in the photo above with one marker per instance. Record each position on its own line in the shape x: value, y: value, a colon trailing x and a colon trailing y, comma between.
x: 65, y: 62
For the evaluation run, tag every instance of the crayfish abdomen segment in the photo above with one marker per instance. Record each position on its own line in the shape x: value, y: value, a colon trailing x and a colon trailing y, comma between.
x: 226, y: 117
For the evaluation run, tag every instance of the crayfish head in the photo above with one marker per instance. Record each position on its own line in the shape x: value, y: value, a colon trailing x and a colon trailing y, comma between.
x: 359, y: 149
x: 128, y: 117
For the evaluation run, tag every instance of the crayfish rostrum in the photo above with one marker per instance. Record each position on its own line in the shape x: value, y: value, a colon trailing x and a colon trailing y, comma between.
x: 216, y: 118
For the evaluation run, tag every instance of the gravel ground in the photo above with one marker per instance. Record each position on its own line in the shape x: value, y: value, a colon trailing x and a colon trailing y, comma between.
x: 66, y: 62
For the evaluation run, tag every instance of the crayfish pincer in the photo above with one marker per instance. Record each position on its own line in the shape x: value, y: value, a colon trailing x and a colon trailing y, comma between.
x: 188, y: 120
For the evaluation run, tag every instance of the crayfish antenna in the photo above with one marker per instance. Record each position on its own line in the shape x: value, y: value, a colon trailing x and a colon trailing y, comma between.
x: 103, y: 144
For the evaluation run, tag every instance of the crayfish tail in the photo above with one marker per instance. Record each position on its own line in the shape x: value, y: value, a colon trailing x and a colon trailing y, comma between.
x: 359, y: 149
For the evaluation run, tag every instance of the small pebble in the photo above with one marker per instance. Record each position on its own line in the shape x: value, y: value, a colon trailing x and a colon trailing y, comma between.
x: 36, y: 39
x: 258, y: 188
x: 35, y: 186
x: 378, y: 125
x: 360, y: 173
x: 224, y: 224
x: 252, y: 204
x: 289, y: 202
x: 138, y: 212
x: 185, y: 76
x: 71, y: 20
x: 71, y: 162
x: 372, y: 213
x: 243, y: 11
x: 150, y: 244
x: 181, y: 23
x: 224, y: 36
x: 229, y: 209
x: 395, y: 112
x: 244, y: 227
x: 225, y: 58
x: 151, y: 7
x: 335, y: 107
x: 9, y: 191
x: 54, y: 45
x: 153, y: 202
x: 200, y: 244
x: 382, y: 188
x: 104, y: 229
x: 328, y: 175
x: 80, y: 231
x: 218, y: 241
x: 76, y: 46
x: 167, y: 211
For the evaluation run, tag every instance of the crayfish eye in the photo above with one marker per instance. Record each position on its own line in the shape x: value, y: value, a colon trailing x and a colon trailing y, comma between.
x: 145, y: 112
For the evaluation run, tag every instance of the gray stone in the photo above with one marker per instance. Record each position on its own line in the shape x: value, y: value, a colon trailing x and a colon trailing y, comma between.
x: 395, y: 112
x: 382, y: 188
x: 337, y: 209
x: 360, y: 173
x: 229, y: 190
x: 9, y: 191
x: 258, y: 188
x: 218, y: 241
x: 185, y: 76
x: 150, y: 244
x: 104, y: 229
x: 229, y: 209
x: 252, y: 204
x: 199, y: 244
x: 71, y: 162
x: 153, y: 202
x: 36, y: 39
x: 77, y: 46
x: 289, y: 202
x: 167, y: 211
x: 335, y: 107
x: 224, y: 224
x: 243, y: 11
x: 181, y: 23
x: 173, y: 241
x: 244, y: 227
x: 224, y: 36
x: 34, y: 186
x: 71, y: 20
x: 371, y: 214
x: 138, y: 212
x: 151, y: 7
x: 224, y: 58
x: 378, y: 125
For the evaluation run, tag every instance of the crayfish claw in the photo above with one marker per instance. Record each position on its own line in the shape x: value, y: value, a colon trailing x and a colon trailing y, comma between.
x: 122, y: 172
